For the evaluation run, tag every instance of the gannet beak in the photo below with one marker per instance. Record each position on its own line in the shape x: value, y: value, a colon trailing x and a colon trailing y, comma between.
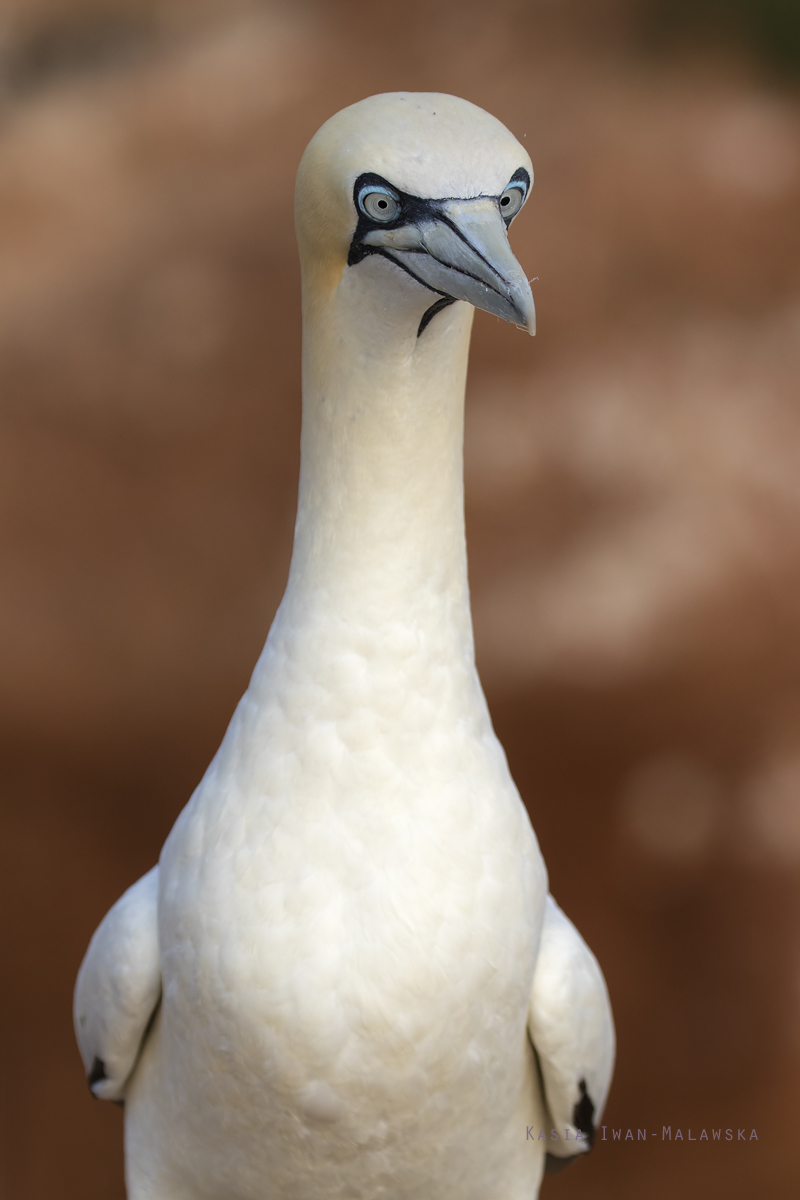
x: 459, y: 249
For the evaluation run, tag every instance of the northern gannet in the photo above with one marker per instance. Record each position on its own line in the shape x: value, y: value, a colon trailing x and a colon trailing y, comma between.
x: 332, y: 984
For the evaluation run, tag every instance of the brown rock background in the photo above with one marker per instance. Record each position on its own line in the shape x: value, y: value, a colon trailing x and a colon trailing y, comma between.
x: 633, y: 491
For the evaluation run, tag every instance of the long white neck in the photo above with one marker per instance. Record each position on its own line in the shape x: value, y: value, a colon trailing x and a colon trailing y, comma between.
x: 379, y: 564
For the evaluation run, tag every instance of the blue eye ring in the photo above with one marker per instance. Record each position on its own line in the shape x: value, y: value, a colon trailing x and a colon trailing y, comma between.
x: 378, y: 203
x: 509, y: 202
x: 514, y: 195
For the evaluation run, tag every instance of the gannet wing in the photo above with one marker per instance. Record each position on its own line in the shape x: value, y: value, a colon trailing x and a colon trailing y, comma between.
x: 118, y: 989
x: 572, y: 1030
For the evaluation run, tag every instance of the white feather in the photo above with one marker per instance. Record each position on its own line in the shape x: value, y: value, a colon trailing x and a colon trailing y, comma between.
x: 572, y: 1028
x: 118, y: 987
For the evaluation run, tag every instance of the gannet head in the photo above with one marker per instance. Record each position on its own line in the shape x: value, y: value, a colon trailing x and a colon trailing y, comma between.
x: 429, y: 184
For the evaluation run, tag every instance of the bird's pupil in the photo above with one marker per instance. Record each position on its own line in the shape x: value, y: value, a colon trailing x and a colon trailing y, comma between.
x: 506, y: 200
x: 381, y: 204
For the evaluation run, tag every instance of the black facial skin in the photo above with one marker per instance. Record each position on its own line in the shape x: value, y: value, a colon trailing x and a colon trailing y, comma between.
x: 413, y: 210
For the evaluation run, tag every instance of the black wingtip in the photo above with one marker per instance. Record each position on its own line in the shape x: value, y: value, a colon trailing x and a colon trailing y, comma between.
x: 582, y: 1119
x: 97, y: 1073
x: 583, y: 1113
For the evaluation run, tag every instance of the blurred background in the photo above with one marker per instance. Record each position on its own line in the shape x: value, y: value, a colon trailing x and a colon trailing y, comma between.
x: 633, y: 504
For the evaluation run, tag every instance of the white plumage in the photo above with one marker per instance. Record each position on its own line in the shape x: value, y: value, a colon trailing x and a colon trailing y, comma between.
x: 349, y: 927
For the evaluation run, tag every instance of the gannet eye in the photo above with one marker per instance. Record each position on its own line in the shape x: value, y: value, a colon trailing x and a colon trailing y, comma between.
x: 513, y: 199
x: 378, y: 203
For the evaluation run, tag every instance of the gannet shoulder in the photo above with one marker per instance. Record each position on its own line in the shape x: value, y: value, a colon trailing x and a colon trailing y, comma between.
x: 118, y: 989
x: 572, y: 1030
